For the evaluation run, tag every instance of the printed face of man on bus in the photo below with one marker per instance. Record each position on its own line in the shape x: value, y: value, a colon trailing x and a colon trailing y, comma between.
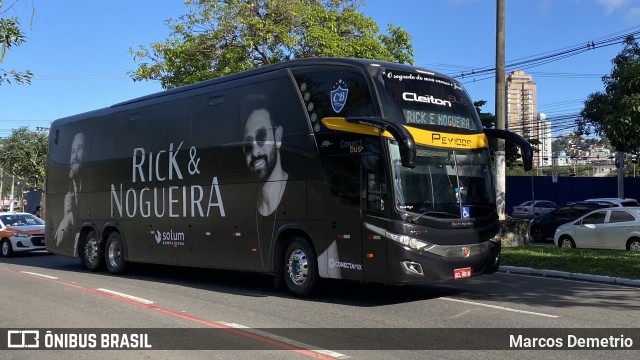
x: 262, y: 143
x: 77, y: 150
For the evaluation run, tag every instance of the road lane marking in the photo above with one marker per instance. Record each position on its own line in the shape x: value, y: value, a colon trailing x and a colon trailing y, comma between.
x: 499, y: 307
x: 333, y: 354
x: 42, y: 275
x: 126, y: 296
x: 213, y: 324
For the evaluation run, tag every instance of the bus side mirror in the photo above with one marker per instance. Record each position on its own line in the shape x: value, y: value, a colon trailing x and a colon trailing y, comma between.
x: 525, y: 148
x: 405, y: 140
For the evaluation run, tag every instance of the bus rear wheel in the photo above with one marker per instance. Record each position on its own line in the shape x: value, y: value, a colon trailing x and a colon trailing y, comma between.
x: 91, y: 254
x: 300, y: 267
x: 114, y: 254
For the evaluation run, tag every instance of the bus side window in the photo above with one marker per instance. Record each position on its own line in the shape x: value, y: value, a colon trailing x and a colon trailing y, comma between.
x: 375, y: 183
x: 343, y: 174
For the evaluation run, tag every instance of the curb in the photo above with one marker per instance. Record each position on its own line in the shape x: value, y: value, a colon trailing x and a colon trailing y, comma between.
x: 569, y: 275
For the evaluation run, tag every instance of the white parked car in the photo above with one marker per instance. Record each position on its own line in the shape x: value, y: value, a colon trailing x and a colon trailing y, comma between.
x: 20, y: 232
x: 531, y: 209
x: 606, y: 228
x: 615, y: 201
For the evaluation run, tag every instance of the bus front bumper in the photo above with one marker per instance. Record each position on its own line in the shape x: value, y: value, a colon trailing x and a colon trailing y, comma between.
x: 442, y: 262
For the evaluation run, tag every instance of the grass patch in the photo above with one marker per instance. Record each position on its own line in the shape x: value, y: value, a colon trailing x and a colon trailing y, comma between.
x: 617, y: 263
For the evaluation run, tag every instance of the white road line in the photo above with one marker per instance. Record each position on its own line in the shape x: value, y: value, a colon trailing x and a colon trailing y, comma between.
x: 36, y: 274
x: 126, y: 296
x: 333, y: 354
x: 499, y: 307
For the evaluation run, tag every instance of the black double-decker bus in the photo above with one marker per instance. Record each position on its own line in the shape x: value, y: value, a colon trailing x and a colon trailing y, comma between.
x: 314, y: 168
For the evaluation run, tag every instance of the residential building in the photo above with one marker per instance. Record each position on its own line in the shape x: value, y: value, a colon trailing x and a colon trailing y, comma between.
x: 521, y: 115
x: 544, y: 135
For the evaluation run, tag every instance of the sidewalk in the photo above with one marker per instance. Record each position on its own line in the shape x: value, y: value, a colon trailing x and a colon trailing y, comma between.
x: 568, y: 275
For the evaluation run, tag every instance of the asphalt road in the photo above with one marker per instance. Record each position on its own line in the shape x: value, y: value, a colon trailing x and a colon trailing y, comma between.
x: 41, y: 291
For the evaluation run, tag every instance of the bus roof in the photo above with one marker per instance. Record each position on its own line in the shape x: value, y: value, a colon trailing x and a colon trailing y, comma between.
x: 362, y: 63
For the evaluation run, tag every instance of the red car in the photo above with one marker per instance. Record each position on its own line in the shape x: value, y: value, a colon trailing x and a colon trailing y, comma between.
x: 20, y: 232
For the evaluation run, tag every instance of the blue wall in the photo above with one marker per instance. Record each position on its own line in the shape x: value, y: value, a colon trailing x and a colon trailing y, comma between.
x: 518, y: 189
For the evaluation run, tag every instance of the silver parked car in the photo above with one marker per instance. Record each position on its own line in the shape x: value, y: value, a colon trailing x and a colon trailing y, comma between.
x: 607, y: 228
x: 533, y: 208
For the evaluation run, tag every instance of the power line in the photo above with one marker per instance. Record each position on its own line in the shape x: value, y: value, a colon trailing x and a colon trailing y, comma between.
x: 544, y: 58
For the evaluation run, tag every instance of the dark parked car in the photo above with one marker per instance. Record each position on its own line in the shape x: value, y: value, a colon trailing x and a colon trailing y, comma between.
x: 544, y: 227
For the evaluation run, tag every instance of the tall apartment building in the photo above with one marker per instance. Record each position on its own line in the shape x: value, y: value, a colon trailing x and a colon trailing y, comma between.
x: 544, y: 135
x: 522, y: 117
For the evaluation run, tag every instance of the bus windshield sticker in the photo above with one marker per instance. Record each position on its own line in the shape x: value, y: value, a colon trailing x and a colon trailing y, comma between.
x: 430, y: 118
x: 427, y: 101
x: 339, y: 95
x: 410, y: 76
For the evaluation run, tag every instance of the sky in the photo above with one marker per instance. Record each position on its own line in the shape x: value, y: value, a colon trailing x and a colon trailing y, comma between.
x: 78, y: 50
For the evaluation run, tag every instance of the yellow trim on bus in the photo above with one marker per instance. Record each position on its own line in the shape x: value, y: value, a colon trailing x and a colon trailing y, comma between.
x: 420, y: 136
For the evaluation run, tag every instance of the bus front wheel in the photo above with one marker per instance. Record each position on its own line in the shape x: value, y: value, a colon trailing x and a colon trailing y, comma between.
x: 114, y: 253
x: 300, y: 267
x: 91, y: 252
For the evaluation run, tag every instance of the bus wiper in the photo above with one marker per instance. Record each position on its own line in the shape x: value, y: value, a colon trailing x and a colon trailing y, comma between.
x: 431, y: 212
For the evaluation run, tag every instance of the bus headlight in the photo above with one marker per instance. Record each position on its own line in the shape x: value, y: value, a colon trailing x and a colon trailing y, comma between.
x: 413, y: 243
x: 405, y: 240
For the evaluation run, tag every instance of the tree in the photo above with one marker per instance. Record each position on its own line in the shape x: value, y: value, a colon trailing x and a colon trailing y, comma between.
x: 23, y: 154
x: 220, y: 37
x: 615, y: 113
x: 11, y: 36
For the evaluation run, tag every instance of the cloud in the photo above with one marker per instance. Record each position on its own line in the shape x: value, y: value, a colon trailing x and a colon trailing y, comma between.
x: 634, y: 13
x: 612, y: 5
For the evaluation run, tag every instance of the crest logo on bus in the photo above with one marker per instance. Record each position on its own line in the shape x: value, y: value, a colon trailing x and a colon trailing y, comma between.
x: 466, y: 251
x: 339, y: 96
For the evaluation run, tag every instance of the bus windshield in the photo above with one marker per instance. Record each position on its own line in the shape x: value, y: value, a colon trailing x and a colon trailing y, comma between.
x: 450, y: 184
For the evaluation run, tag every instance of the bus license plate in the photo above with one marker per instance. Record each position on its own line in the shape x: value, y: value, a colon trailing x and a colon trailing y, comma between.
x: 462, y: 273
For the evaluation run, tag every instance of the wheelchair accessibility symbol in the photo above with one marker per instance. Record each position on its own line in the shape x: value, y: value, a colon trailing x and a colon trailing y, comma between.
x: 465, y: 212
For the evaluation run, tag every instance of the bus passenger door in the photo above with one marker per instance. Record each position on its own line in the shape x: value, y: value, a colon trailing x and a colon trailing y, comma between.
x: 343, y: 257
x: 375, y: 209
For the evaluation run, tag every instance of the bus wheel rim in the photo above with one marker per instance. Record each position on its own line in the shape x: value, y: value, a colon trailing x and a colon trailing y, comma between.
x: 115, y: 254
x: 298, y: 267
x: 91, y: 251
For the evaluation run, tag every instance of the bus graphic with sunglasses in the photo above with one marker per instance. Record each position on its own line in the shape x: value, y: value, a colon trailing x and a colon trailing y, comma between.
x: 310, y: 169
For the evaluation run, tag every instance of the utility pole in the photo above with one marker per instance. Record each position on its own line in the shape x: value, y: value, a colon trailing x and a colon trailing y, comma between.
x: 620, y: 158
x: 500, y: 108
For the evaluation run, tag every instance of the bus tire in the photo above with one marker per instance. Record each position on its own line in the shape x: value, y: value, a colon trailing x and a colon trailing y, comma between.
x: 90, y: 251
x: 114, y: 253
x: 300, y: 267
